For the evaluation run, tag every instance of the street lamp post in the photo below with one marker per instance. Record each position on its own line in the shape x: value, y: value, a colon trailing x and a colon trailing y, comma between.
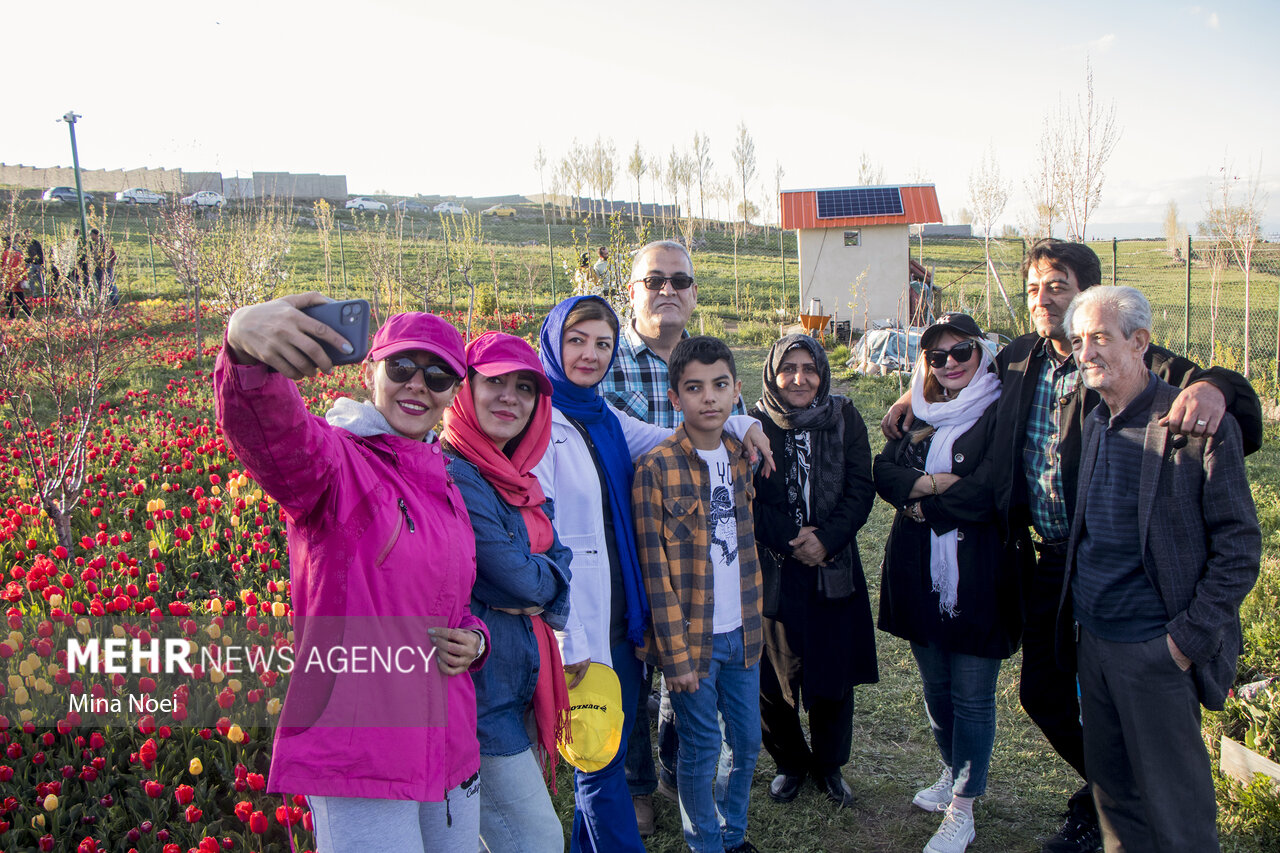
x: 70, y: 119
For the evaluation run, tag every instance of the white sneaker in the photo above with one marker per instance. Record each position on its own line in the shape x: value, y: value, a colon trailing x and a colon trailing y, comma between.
x: 937, y: 796
x: 954, y: 835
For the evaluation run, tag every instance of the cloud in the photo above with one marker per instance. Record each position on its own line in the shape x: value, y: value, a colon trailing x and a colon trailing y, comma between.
x: 1209, y: 18
x: 1101, y: 45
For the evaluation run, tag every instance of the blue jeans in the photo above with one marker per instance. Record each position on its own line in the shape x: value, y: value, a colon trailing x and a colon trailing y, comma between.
x: 604, y: 820
x: 515, y: 809
x: 734, y: 691
x: 960, y: 698
x: 642, y: 777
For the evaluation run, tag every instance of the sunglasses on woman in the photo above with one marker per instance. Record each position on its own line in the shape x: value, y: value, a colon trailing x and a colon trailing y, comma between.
x: 401, y: 369
x: 960, y: 352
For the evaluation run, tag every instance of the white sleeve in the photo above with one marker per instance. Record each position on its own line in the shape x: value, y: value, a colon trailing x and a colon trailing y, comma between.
x: 739, y: 425
x: 641, y: 437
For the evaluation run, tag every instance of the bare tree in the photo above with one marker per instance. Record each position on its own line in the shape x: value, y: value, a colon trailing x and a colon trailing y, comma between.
x: 636, y: 169
x: 1175, y: 233
x: 1089, y: 135
x: 744, y: 160
x: 577, y: 169
x: 778, y: 174
x: 1234, y: 221
x: 674, y: 178
x: 702, y: 164
x: 540, y: 163
x: 604, y: 170
x: 869, y: 174
x: 657, y: 181
x: 1043, y: 184
x: 55, y: 371
x: 989, y: 194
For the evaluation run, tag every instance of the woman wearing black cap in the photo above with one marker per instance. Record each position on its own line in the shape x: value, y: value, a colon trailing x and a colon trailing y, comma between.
x: 945, y: 587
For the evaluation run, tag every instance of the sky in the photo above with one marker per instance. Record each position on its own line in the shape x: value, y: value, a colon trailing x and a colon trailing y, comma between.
x: 455, y: 98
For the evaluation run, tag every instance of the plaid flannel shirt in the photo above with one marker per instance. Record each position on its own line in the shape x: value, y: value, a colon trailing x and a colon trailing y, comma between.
x: 637, y: 383
x: 670, y: 497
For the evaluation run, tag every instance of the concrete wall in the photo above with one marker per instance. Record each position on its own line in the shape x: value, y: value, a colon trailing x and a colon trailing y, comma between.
x: 100, y: 181
x: 828, y: 269
x: 176, y: 181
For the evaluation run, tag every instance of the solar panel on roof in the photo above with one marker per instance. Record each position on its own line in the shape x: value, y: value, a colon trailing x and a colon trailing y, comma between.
x: 859, y: 201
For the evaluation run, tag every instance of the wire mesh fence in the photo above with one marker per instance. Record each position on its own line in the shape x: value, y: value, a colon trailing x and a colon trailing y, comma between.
x: 498, y: 268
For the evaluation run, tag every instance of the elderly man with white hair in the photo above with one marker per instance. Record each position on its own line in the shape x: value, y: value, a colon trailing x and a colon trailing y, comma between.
x: 1164, y: 547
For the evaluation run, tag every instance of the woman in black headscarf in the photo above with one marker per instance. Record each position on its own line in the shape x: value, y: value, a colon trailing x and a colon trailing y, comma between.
x: 818, y: 635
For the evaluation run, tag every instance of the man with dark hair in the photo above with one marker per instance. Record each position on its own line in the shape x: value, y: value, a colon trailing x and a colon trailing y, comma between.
x: 1037, y: 461
x: 1164, y: 547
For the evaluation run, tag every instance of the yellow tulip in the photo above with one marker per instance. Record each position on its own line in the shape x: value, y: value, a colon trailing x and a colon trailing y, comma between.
x: 37, y: 822
x: 235, y: 734
x: 83, y: 625
x: 213, y: 630
x: 234, y: 684
x: 20, y: 696
x: 278, y: 609
x: 195, y: 767
x: 216, y: 675
x: 215, y: 606
x: 50, y: 802
x: 273, y: 706
x: 55, y: 600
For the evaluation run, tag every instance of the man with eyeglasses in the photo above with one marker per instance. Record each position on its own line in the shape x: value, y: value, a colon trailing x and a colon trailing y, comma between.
x: 663, y: 295
x: 1039, y: 422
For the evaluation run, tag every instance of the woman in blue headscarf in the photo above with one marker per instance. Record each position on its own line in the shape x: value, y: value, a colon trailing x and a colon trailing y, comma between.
x: 587, y: 472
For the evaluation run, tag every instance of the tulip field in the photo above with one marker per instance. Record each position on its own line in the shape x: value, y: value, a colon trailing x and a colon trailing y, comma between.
x: 172, y: 540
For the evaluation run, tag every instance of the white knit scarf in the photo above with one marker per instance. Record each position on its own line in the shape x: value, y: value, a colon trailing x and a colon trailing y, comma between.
x: 950, y: 420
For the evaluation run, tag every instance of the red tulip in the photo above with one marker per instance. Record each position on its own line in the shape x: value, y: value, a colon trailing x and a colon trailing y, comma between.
x: 184, y: 794
x: 257, y: 823
x: 256, y: 781
x: 153, y: 788
x: 147, y: 754
x: 243, y: 809
x: 193, y: 814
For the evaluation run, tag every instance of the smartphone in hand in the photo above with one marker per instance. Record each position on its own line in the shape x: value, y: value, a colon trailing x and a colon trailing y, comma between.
x: 349, y: 318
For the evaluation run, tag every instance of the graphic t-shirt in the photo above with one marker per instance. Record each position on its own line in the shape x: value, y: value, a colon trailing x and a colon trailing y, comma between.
x: 722, y: 542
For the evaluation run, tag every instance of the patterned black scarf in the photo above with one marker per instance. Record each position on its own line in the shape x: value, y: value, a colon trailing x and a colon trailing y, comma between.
x: 813, y: 452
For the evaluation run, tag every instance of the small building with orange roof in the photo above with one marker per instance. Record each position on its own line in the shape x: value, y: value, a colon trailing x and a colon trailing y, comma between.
x: 845, y: 233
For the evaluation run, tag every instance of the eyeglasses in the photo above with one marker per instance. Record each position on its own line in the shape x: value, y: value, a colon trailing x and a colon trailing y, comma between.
x: 436, y: 378
x: 679, y: 281
x: 960, y: 352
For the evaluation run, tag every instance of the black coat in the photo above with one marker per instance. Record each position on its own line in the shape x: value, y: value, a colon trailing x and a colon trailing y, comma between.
x: 1019, y: 373
x: 988, y: 618
x: 839, y: 649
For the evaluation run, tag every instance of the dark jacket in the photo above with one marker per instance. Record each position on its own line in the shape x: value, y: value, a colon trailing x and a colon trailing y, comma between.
x: 1018, y: 374
x: 1201, y: 544
x: 508, y: 575
x: 988, y: 620
x: 790, y: 587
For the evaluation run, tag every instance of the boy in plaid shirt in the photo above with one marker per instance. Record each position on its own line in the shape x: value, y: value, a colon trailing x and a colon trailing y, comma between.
x: 692, y: 503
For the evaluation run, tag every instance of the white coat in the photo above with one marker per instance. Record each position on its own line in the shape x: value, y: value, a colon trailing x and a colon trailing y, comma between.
x: 569, y: 478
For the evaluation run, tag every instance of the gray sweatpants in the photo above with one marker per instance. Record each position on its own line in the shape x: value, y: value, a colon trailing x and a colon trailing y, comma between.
x: 358, y: 825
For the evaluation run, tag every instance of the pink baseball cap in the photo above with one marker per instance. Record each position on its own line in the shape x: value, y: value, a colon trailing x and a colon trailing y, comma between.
x: 417, y: 330
x: 497, y: 353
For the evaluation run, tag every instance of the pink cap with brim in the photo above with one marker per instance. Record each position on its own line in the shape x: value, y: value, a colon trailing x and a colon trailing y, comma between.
x: 497, y: 353
x: 415, y: 330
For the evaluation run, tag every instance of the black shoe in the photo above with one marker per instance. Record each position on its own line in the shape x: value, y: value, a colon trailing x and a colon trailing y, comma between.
x: 744, y: 847
x: 1078, y: 835
x: 836, y: 789
x: 784, y: 788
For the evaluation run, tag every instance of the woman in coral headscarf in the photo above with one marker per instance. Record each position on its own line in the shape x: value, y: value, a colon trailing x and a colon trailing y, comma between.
x: 497, y: 429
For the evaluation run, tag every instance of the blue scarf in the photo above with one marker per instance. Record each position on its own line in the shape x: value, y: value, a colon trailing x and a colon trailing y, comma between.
x: 588, y: 408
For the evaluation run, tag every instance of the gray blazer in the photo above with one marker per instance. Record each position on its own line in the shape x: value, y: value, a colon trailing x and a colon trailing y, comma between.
x: 1200, y: 538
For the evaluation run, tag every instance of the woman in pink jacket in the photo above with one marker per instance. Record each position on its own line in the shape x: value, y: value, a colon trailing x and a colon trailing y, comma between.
x: 379, y: 721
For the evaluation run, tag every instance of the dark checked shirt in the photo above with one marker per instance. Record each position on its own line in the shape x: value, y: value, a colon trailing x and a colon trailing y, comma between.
x: 671, y: 498
x: 637, y: 383
x: 1112, y: 593
x: 1041, y: 458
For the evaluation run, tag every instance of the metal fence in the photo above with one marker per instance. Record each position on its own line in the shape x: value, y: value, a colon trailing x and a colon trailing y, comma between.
x: 1201, y: 305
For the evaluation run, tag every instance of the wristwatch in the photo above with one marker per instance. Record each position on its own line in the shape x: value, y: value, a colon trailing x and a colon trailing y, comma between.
x: 480, y: 653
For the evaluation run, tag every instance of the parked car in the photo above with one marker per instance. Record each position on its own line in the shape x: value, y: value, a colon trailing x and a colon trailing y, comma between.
x: 499, y: 210
x: 449, y: 207
x: 409, y: 205
x: 364, y: 203
x: 66, y: 194
x: 205, y: 198
x: 139, y: 195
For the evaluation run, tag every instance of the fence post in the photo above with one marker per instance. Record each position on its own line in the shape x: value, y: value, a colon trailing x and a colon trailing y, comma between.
x: 1114, y: 253
x: 1186, y: 316
x: 342, y: 258
x: 551, y: 247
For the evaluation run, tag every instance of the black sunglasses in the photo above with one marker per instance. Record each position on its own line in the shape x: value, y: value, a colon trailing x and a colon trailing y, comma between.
x: 679, y: 281
x: 960, y: 352
x: 435, y: 377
